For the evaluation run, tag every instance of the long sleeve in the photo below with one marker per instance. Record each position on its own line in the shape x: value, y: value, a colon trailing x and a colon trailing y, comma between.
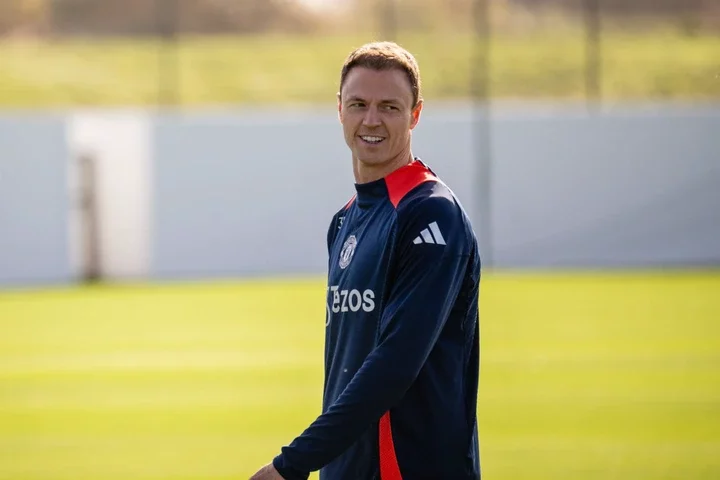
x: 431, y: 252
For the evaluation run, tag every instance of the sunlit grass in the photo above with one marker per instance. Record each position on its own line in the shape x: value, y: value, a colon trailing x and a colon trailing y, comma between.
x: 583, y: 376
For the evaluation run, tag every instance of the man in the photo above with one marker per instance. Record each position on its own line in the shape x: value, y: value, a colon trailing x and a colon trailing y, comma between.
x: 402, y: 335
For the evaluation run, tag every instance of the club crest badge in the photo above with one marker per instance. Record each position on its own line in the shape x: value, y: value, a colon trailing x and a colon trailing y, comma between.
x: 347, y: 252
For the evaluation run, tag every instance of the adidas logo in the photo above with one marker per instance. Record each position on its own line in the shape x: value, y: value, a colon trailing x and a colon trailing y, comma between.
x: 427, y: 237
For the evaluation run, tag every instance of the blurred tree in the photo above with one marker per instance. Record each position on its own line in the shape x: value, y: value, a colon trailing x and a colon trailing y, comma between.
x: 9, y: 15
x: 153, y: 17
x: 146, y: 17
x: 23, y: 17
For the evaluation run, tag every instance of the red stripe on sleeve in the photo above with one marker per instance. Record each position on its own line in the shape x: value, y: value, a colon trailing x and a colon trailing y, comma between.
x: 401, y: 181
x: 389, y: 468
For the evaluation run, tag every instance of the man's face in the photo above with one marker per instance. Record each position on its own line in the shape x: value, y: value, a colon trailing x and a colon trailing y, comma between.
x: 377, y: 115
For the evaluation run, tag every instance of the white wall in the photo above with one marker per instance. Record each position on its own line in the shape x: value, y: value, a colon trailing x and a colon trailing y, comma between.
x: 250, y: 192
x: 246, y: 193
x: 120, y: 143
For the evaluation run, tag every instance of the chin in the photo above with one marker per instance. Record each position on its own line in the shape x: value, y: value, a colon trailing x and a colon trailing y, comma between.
x: 372, y: 161
x: 372, y: 157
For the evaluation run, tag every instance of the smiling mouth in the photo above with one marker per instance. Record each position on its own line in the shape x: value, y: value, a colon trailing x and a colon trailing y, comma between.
x: 371, y: 139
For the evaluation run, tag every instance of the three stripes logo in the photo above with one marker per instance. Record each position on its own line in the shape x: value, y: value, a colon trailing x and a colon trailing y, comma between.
x: 430, y: 235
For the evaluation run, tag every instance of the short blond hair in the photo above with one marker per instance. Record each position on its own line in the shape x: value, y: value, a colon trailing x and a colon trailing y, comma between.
x: 385, y: 56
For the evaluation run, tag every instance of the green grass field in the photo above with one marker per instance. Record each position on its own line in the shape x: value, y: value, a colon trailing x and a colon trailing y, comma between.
x: 613, y: 376
x: 299, y: 69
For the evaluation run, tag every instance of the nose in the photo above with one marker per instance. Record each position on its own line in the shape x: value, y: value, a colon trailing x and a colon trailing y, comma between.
x: 372, y: 118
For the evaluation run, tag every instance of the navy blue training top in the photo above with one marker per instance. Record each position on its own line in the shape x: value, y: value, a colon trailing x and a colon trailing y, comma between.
x: 402, y: 339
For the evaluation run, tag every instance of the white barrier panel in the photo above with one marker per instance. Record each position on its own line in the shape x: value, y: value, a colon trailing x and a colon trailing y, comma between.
x: 119, y: 144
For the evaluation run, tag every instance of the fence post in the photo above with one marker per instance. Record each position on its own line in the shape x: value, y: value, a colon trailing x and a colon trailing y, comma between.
x: 168, y: 67
x: 89, y: 219
x: 388, y: 20
x: 480, y: 70
x: 592, y: 52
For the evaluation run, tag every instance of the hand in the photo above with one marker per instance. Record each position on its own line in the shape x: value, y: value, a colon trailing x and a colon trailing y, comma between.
x: 267, y: 472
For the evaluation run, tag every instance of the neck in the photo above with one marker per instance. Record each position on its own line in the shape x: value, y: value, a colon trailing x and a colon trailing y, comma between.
x: 365, y: 173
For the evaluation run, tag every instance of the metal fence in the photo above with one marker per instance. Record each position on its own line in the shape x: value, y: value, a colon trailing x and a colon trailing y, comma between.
x: 194, y: 52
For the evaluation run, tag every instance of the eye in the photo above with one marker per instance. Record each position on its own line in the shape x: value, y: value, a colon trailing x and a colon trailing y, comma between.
x: 356, y: 105
x: 390, y: 107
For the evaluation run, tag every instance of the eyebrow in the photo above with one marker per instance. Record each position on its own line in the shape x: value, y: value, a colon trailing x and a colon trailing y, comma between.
x: 355, y: 98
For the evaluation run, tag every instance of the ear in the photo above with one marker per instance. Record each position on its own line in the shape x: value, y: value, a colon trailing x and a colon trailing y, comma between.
x: 415, y: 114
x: 339, y: 106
